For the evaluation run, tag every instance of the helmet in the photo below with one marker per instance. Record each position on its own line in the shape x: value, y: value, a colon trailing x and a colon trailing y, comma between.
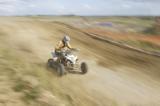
x: 66, y: 38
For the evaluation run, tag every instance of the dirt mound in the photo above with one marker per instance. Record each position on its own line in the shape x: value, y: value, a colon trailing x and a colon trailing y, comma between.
x: 116, y: 77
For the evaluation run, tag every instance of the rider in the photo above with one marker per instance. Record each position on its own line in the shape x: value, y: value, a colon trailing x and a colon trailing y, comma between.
x: 64, y: 43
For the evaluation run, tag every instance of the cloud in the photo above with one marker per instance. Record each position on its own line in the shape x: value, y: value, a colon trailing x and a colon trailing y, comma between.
x: 7, y: 6
x: 87, y: 6
x: 32, y: 5
x: 80, y: 7
x: 125, y: 5
x: 16, y: 7
x: 144, y: 1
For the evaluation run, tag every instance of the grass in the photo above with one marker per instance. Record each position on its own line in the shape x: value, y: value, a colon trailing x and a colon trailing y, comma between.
x: 31, y: 95
x: 151, y: 30
x: 15, y: 66
x: 145, y: 45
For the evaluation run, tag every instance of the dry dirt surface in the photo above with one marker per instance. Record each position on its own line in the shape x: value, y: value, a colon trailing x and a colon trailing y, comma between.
x: 116, y: 77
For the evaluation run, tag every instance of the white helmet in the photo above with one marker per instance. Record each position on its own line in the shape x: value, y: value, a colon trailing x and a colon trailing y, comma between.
x: 66, y: 39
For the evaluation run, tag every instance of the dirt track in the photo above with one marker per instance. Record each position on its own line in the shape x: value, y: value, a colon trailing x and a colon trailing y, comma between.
x: 116, y: 77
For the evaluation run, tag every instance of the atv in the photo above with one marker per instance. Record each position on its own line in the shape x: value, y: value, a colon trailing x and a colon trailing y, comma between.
x: 67, y: 62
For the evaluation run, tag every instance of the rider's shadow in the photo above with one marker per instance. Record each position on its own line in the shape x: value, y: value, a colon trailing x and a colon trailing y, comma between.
x: 74, y: 72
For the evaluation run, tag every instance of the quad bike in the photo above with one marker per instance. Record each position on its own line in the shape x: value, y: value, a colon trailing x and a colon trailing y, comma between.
x: 67, y: 62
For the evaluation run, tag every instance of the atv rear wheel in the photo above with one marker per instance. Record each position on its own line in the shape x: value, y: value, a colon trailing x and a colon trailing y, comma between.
x: 60, y: 69
x: 84, y: 67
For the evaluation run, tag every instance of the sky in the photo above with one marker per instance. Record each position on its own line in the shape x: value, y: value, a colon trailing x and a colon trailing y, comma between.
x: 80, y: 7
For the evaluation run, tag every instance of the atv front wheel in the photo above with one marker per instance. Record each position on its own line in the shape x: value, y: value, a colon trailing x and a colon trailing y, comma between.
x: 84, y: 67
x: 60, y: 69
x: 50, y: 63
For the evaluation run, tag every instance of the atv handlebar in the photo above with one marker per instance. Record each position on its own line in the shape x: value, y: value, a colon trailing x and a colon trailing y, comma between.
x: 69, y: 51
x: 75, y: 49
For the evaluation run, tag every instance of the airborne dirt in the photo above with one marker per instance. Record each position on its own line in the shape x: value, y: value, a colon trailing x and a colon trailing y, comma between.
x: 116, y: 77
